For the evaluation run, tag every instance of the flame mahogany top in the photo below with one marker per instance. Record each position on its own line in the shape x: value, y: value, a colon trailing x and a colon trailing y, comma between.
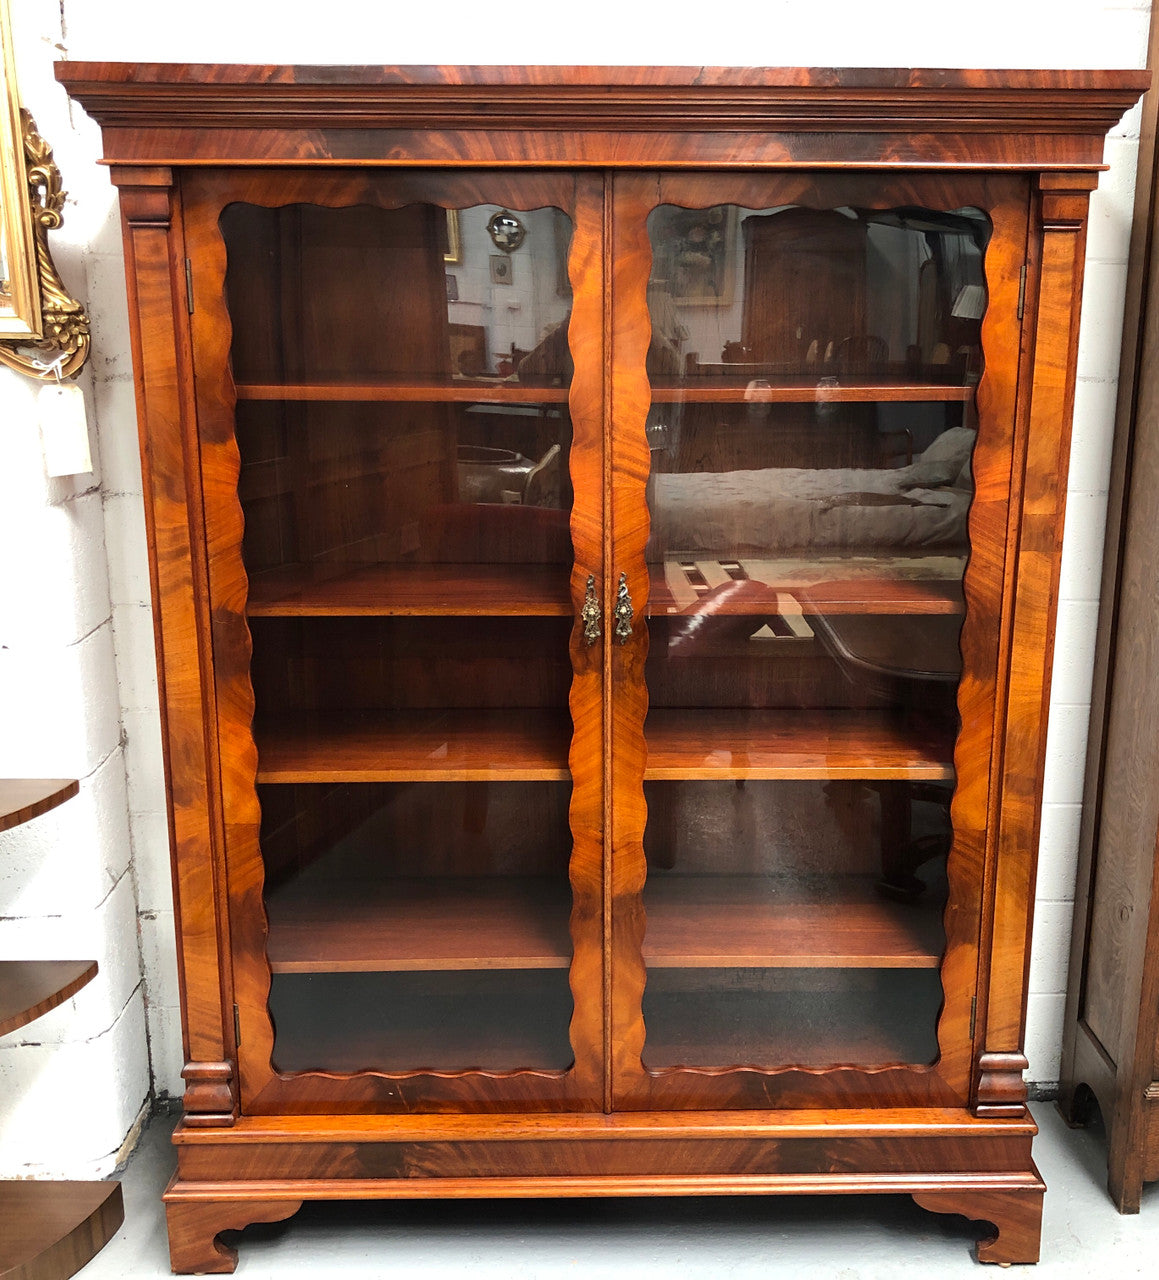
x: 157, y: 113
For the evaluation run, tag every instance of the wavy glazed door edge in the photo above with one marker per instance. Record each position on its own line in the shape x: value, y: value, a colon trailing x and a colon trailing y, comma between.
x: 977, y: 753
x: 263, y: 1090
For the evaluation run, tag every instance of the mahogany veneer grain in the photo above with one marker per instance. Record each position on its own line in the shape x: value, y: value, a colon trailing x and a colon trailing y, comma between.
x: 421, y: 746
x: 29, y: 988
x: 936, y: 1122
x: 480, y: 746
x: 155, y: 113
x: 22, y: 799
x: 52, y: 1229
x: 605, y: 145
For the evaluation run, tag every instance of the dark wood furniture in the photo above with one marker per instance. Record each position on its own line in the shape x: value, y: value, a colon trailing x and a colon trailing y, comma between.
x: 50, y: 1229
x: 1111, y: 1028
x: 528, y: 839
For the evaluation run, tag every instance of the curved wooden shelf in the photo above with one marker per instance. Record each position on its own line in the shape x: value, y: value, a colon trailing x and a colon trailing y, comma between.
x: 22, y: 799
x: 52, y: 1229
x: 29, y: 988
x: 432, y: 391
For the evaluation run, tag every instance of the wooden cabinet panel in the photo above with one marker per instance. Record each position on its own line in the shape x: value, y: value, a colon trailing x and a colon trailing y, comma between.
x: 604, y: 535
x: 1111, y: 1026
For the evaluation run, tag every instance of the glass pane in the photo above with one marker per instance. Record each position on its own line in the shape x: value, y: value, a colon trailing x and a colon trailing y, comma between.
x: 407, y: 498
x: 418, y: 294
x: 417, y: 924
x: 812, y: 431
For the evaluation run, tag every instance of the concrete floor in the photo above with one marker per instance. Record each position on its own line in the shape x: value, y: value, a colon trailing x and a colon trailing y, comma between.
x: 823, y: 1238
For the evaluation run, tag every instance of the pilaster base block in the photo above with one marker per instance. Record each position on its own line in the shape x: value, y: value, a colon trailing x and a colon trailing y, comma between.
x: 194, y: 1226
x: 1015, y: 1213
x: 210, y: 1100
x: 1001, y: 1088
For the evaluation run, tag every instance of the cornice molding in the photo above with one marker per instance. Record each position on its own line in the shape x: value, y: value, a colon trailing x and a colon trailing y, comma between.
x: 601, y: 97
x: 177, y: 102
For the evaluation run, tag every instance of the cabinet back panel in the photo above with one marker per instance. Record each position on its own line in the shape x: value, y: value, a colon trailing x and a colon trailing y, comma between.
x: 392, y: 663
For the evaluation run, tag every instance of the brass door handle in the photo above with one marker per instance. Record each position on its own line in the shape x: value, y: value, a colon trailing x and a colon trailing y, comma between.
x: 591, y: 614
x: 623, y: 611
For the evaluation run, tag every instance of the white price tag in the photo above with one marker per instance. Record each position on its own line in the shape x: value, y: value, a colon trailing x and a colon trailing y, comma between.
x: 64, y: 429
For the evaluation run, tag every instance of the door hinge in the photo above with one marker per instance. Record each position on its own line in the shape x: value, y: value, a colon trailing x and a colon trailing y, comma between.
x: 973, y: 1014
x: 1021, y: 291
x: 189, y: 286
x: 236, y: 1026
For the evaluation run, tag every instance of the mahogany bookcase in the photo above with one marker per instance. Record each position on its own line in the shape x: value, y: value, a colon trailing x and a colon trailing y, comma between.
x: 605, y: 533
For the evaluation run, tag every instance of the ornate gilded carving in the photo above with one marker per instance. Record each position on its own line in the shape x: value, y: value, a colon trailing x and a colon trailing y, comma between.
x: 64, y: 345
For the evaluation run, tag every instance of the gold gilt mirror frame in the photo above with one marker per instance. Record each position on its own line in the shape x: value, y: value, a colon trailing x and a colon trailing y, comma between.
x: 44, y: 332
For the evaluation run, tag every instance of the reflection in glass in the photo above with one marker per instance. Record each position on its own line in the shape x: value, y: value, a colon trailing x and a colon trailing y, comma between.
x: 811, y: 432
x: 418, y: 317
x: 405, y: 484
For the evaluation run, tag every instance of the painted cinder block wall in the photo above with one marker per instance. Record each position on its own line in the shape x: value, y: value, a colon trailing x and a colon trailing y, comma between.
x: 78, y: 691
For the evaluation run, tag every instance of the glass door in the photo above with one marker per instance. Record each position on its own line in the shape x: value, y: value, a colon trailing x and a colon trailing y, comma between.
x: 409, y: 902
x: 819, y: 585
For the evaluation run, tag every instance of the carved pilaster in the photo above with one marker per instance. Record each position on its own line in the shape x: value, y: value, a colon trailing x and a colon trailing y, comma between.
x: 1042, y: 447
x: 159, y: 323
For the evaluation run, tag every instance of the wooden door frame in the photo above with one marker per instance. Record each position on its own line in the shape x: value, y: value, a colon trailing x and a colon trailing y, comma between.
x: 988, y: 641
x: 260, y: 1089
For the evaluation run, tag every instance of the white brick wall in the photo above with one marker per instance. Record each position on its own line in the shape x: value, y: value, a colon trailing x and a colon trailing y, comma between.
x: 81, y: 585
x: 73, y: 1082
